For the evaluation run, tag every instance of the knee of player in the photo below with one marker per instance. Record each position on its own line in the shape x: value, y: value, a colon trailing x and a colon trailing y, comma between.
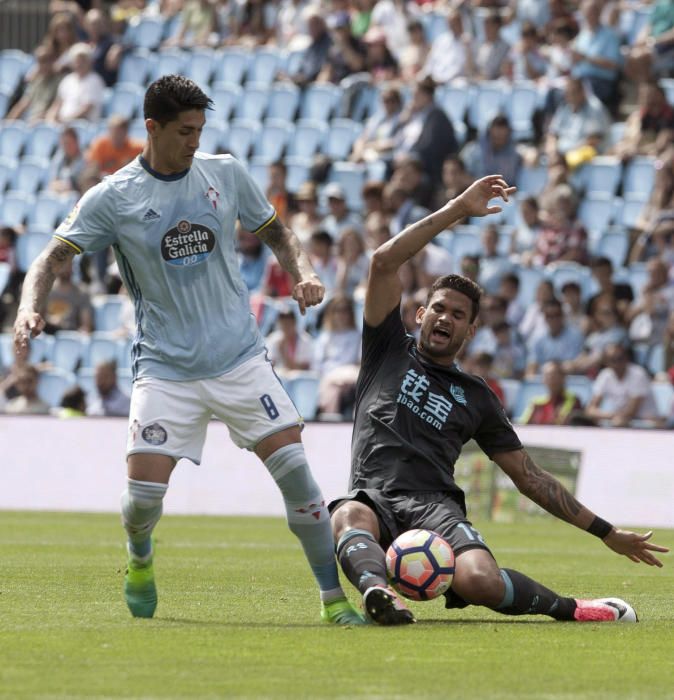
x: 353, y: 515
x: 479, y: 586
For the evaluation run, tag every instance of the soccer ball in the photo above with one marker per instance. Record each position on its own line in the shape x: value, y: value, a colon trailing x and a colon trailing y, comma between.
x: 420, y: 564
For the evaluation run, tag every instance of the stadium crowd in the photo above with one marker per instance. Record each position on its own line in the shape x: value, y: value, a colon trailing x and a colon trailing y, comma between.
x: 357, y: 118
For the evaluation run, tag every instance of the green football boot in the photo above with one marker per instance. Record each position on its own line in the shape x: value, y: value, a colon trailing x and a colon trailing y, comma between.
x: 341, y: 612
x: 139, y: 587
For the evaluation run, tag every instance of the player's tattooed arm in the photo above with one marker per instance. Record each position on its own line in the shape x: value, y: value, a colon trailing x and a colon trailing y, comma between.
x: 542, y: 488
x: 36, y: 287
x: 292, y: 257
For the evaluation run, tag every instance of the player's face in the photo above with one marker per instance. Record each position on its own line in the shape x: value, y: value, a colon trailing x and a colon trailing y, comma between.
x: 176, y: 143
x: 445, y: 325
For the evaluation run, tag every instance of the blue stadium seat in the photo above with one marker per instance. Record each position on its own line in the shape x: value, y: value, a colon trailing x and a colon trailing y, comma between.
x: 319, y: 101
x: 148, y: 33
x: 308, y: 138
x: 4, y: 103
x: 365, y: 103
x: 454, y: 99
x: 340, y: 138
x: 263, y: 67
x: 351, y: 176
x: 565, y: 271
x: 485, y: 104
x: 656, y: 359
x: 292, y: 62
x: 581, y: 386
x: 48, y: 212
x: 31, y: 174
x: 529, y: 389
x: 13, y: 66
x: 126, y: 99
x: 232, y: 65
x: 639, y: 177
x: 531, y: 180
x: 511, y: 390
x: 596, y: 212
x: 434, y: 23
x: 200, y: 65
x: 169, y: 61
x: 41, y: 140
x: 272, y: 140
x: 616, y: 133
x: 53, y: 383
x: 299, y: 172
x: 136, y: 67
x: 614, y: 244
x: 12, y: 137
x: 602, y: 175
x: 303, y: 391
x: 284, y: 101
x: 213, y: 137
x: 253, y: 103
x: 137, y: 129
x: 258, y: 168
x: 86, y: 380
x: 520, y: 105
x: 69, y: 351
x: 638, y: 276
x: 108, y: 312
x: 376, y: 170
x: 86, y: 131
x: 7, y: 168
x: 6, y: 346
x: 14, y: 211
x: 632, y: 20
x: 243, y: 133
x: 5, y: 272
x: 225, y: 98
x: 465, y: 241
x: 102, y: 347
x: 124, y: 356
x: 530, y: 278
x: 667, y: 84
x: 631, y: 210
x: 125, y: 380
x: 663, y: 393
x: 41, y: 349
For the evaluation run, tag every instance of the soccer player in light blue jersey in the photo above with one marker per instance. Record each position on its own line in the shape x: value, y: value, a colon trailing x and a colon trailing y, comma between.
x: 170, y: 218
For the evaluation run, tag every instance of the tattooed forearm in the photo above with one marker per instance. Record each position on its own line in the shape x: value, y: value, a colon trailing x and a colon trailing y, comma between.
x: 287, y: 249
x: 42, y: 273
x: 544, y: 490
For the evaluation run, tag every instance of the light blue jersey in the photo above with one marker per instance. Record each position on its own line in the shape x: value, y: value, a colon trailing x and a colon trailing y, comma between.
x: 174, y: 240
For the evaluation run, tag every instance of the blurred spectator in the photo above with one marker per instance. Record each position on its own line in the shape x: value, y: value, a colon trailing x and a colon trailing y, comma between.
x: 67, y: 164
x: 431, y: 262
x: 450, y: 56
x: 483, y: 365
x: 661, y: 202
x: 61, y: 36
x: 560, y: 341
x: 391, y: 17
x: 27, y: 402
x: 649, y: 130
x: 316, y: 53
x: 533, y: 322
x: 653, y: 51
x: 509, y: 289
x: 579, y: 126
x: 337, y: 356
x: 276, y: 282
x: 528, y: 62
x: 558, y: 173
x: 346, y: 55
x: 40, y: 89
x: 426, y: 131
x: 339, y: 218
x: 291, y: 30
x: 413, y: 54
x: 256, y: 22
x: 668, y: 343
x: 408, y: 312
x: 621, y: 392
x: 252, y: 258
x: 80, y: 93
x: 602, y: 271
x: 560, y: 404
x: 352, y: 262
x: 572, y: 302
x: 113, y: 150
x: 322, y: 258
x: 494, y: 151
x: 562, y: 236
x: 73, y: 404
x: 402, y: 208
x: 198, y: 21
x: 373, y: 198
x: 470, y: 267
x: 68, y: 306
x: 288, y: 348
x: 559, y: 56
x: 277, y: 192
x: 110, y: 399
x: 307, y: 220
x: 361, y: 17
x: 647, y: 317
x: 528, y: 228
x: 492, y: 51
x: 377, y: 231
x: 455, y: 180
x: 408, y: 174
x: 376, y: 140
x: 596, y: 54
x: 105, y: 53
x: 606, y: 329
x: 379, y: 61
x: 492, y: 264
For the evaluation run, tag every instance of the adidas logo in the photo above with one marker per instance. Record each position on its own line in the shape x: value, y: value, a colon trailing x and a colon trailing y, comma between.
x: 151, y: 215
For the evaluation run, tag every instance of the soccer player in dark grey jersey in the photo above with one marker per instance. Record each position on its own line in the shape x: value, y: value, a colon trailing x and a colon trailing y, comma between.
x: 414, y: 410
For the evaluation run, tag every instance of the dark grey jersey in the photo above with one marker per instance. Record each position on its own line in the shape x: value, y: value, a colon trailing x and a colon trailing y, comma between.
x: 413, y: 416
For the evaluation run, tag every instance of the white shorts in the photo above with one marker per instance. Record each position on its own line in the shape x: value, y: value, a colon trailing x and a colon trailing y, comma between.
x: 171, y: 418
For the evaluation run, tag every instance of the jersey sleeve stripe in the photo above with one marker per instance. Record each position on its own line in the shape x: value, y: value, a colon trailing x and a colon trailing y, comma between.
x: 70, y: 243
x: 266, y: 223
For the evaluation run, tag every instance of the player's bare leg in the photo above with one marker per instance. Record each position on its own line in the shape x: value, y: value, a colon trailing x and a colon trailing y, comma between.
x: 308, y: 519
x: 141, y: 509
x: 363, y: 561
x: 478, y: 580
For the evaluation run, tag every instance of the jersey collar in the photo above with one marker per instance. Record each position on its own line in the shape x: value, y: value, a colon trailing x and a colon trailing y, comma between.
x: 160, y: 176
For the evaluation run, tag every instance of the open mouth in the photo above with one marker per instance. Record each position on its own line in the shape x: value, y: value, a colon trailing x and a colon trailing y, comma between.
x: 440, y: 335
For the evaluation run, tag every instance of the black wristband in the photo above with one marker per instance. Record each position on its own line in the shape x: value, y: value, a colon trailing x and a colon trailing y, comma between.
x: 599, y: 528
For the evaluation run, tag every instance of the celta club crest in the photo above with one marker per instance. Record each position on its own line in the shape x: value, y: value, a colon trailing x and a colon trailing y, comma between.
x: 212, y: 195
x: 154, y: 434
x: 458, y: 394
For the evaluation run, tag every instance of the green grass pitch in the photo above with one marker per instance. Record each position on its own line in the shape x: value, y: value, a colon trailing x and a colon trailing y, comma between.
x: 238, y: 618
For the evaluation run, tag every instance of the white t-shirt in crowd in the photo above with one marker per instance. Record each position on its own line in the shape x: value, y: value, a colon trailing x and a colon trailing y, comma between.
x: 616, y: 392
x: 76, y: 92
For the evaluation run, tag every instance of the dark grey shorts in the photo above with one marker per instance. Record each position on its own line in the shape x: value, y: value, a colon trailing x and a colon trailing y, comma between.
x: 440, y: 512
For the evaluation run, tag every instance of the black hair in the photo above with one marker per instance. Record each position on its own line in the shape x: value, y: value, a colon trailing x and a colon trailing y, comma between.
x: 74, y: 398
x: 511, y: 277
x: 170, y: 95
x: 459, y: 284
x: 601, y: 261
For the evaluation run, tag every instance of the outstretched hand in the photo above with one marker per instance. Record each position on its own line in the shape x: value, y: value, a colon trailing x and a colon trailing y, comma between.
x: 475, y: 199
x: 309, y: 292
x: 634, y: 546
x: 28, y: 324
